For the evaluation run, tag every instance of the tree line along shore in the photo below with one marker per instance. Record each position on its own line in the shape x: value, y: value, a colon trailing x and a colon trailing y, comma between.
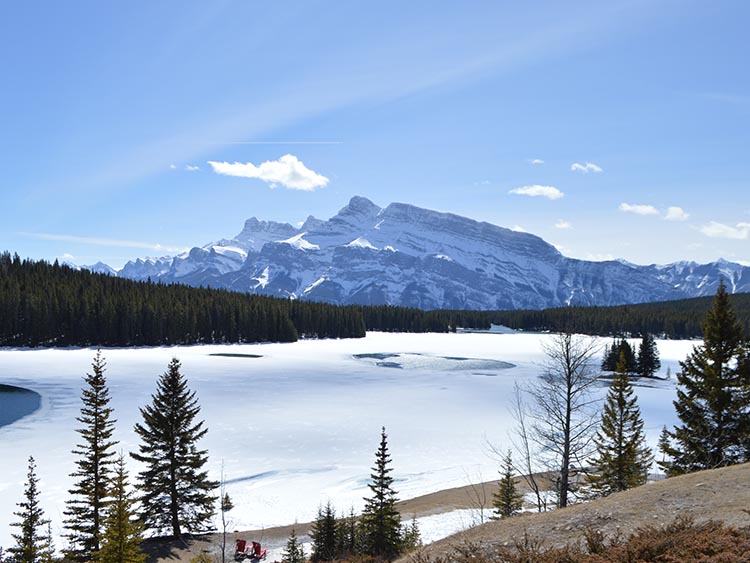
x: 49, y: 305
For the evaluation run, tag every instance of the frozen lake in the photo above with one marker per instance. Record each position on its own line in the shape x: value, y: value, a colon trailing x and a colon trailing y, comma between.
x: 299, y: 425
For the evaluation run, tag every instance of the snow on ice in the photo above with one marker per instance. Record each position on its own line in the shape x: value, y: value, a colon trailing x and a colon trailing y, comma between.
x: 299, y: 425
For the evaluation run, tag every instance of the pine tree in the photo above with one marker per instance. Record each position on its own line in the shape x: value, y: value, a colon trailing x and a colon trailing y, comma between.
x: 648, y: 356
x: 176, y: 490
x: 295, y: 551
x: 324, y: 535
x: 30, y: 541
x: 612, y: 356
x: 713, y: 398
x: 122, y: 538
x: 411, y: 536
x: 622, y: 457
x: 85, y: 510
x: 347, y: 535
x: 47, y: 554
x: 507, y: 501
x: 381, y: 522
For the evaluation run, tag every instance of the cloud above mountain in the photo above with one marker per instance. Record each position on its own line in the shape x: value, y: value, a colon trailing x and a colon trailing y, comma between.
x: 714, y: 229
x: 288, y: 171
x: 638, y: 209
x: 585, y: 168
x: 550, y: 192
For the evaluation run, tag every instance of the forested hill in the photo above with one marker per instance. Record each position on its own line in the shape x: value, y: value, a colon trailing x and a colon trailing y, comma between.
x: 44, y: 304
x: 672, y: 319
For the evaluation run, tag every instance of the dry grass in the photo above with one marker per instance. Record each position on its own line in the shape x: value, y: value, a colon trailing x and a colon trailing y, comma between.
x: 721, y: 495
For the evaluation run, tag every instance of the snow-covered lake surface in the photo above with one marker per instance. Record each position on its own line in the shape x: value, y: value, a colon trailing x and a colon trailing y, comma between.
x: 300, y: 424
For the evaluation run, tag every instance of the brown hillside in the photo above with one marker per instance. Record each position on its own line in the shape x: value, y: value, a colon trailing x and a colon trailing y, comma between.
x: 718, y: 494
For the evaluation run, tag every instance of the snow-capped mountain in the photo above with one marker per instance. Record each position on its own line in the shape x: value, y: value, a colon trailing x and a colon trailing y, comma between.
x: 409, y: 256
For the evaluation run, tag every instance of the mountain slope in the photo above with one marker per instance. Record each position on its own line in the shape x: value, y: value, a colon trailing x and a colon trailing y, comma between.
x: 408, y: 256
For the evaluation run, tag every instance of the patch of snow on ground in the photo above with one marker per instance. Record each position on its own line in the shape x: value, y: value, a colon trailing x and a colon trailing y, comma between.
x: 300, y: 425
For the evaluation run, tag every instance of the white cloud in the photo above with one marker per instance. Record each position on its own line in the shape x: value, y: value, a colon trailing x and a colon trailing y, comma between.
x: 536, y: 161
x: 719, y: 230
x: 563, y: 224
x: 191, y: 167
x: 550, y: 192
x: 287, y: 171
x: 585, y: 168
x: 104, y: 242
x: 518, y: 229
x: 639, y: 209
x: 173, y: 166
x: 676, y: 214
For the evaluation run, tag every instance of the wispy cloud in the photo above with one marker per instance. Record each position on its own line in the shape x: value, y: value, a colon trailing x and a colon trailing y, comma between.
x: 287, y: 171
x: 585, y: 168
x: 104, y: 241
x: 192, y: 167
x: 285, y: 143
x: 563, y: 224
x: 676, y: 214
x: 173, y: 167
x: 639, y: 209
x: 550, y: 192
x: 536, y: 161
x: 741, y: 231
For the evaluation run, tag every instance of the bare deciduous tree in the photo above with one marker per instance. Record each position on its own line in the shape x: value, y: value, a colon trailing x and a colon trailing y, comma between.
x: 562, y: 410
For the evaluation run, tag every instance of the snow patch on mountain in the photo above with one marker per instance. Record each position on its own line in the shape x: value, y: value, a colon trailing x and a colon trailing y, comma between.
x: 409, y: 256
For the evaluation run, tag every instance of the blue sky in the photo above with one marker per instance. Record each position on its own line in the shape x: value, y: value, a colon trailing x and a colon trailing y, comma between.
x: 111, y: 113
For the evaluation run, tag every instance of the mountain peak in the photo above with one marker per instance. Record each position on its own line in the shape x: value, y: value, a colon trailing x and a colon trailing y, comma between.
x: 359, y: 205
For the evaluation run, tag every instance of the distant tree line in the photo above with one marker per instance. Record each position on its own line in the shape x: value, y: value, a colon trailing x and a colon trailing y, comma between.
x: 43, y: 304
x: 670, y: 319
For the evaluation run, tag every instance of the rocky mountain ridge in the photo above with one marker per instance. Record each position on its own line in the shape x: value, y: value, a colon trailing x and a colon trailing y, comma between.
x: 409, y: 256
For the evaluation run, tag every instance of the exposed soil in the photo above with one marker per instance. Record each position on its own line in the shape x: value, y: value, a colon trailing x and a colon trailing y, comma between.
x: 719, y: 494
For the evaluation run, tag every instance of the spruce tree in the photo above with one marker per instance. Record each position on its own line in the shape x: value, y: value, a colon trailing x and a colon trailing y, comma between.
x: 381, y: 522
x: 295, y: 551
x: 411, y: 536
x: 648, y: 356
x: 324, y: 535
x: 507, y: 501
x: 31, y: 544
x: 89, y: 497
x: 622, y: 457
x: 712, y: 398
x: 121, y: 541
x: 176, y: 491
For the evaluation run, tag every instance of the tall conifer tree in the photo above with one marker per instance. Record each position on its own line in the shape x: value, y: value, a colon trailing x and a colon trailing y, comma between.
x: 507, y: 501
x: 31, y: 543
x: 295, y: 551
x: 622, y: 457
x: 648, y: 356
x: 381, y: 522
x: 323, y: 535
x: 176, y: 491
x: 89, y: 497
x: 121, y: 541
x: 713, y: 397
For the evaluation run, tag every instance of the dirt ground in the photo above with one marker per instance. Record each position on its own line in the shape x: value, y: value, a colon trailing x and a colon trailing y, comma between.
x: 719, y: 494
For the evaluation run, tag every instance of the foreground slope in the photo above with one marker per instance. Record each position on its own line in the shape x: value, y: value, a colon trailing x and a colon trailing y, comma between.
x: 717, y: 494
